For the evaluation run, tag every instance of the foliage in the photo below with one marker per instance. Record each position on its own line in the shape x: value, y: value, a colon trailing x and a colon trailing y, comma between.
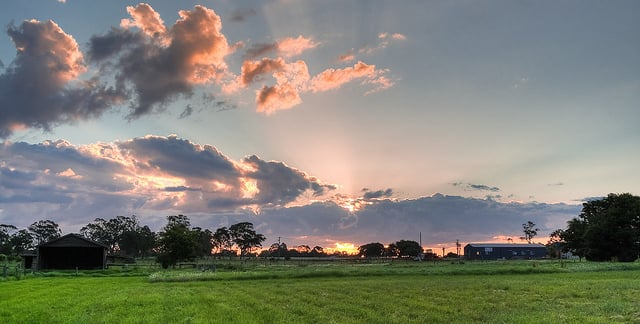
x: 138, y: 243
x: 110, y: 232
x: 44, y: 231
x: 221, y: 240
x: 5, y: 238
x: 606, y: 229
x: 245, y: 237
x: 177, y: 242
x: 371, y: 250
x: 530, y: 231
x: 21, y: 242
x: 405, y: 248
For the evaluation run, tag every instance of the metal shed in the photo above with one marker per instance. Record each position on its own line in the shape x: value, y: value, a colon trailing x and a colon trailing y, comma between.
x: 71, y: 251
x: 497, y: 251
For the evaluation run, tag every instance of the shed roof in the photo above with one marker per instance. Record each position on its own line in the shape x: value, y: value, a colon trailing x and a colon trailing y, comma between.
x: 506, y: 245
x: 72, y: 240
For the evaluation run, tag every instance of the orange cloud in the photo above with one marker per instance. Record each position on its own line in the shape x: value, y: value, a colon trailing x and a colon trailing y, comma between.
x: 334, y: 78
x: 290, y: 46
x: 53, y: 50
x: 291, y: 80
x: 145, y: 18
x: 280, y: 97
x: 198, y: 35
x: 251, y: 70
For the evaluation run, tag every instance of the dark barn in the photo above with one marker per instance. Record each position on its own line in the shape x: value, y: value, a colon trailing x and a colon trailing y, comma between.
x: 70, y: 252
x: 507, y: 251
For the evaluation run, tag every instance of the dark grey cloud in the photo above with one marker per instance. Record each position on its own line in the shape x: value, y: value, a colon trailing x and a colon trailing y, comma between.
x: 180, y: 157
x: 153, y: 177
x: 39, y: 89
x: 260, y: 50
x: 242, y: 14
x: 158, y: 65
x: 280, y: 184
x: 377, y: 194
x: 440, y: 219
x: 473, y: 186
x: 152, y: 174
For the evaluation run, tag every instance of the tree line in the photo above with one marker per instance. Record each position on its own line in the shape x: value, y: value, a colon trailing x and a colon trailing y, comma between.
x: 177, y: 241
x: 401, y: 249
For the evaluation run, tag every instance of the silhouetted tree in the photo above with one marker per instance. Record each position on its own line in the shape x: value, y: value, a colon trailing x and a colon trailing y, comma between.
x: 317, y: 251
x: 606, y: 229
x: 406, y: 248
x: 44, y: 231
x: 204, y: 239
x: 574, y: 237
x: 371, y: 250
x: 222, y: 240
x: 555, y: 245
x: 530, y: 231
x: 245, y: 237
x: 303, y: 249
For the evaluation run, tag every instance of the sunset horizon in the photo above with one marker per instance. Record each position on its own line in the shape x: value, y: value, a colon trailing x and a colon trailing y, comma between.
x: 334, y: 124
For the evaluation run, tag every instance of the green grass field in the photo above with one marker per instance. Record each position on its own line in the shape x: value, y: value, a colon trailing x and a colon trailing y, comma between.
x: 498, y: 292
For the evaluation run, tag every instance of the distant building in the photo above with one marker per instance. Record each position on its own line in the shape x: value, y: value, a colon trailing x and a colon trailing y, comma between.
x: 504, y: 251
x: 71, y: 251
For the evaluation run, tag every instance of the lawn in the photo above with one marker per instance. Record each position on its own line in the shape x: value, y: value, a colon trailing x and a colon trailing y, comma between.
x: 364, y: 293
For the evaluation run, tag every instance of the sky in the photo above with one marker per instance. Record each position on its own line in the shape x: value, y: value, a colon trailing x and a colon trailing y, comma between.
x: 330, y: 123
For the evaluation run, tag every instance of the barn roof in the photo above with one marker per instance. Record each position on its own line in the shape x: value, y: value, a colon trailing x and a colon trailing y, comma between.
x: 72, y: 240
x: 506, y: 245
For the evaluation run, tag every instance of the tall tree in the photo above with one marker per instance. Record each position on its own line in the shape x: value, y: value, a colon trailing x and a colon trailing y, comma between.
x: 222, y: 240
x: 245, y: 237
x: 109, y: 232
x: 5, y: 238
x: 204, y: 239
x: 606, y: 229
x: 530, y: 231
x: 21, y: 241
x: 177, y: 242
x: 139, y: 242
x: 44, y: 231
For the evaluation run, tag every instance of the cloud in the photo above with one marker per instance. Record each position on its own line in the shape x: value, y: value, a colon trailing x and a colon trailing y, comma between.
x: 161, y: 64
x: 440, y: 219
x: 145, y: 18
x: 368, y: 195
x: 286, y: 47
x: 40, y: 88
x: 252, y: 70
x: 151, y: 174
x: 242, y: 14
x: 290, y: 46
x: 290, y: 82
x: 155, y: 176
x: 334, y: 78
x: 146, y: 65
x: 473, y: 186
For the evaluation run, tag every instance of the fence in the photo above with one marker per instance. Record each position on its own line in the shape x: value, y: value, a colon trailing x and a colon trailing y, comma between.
x: 7, y: 270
